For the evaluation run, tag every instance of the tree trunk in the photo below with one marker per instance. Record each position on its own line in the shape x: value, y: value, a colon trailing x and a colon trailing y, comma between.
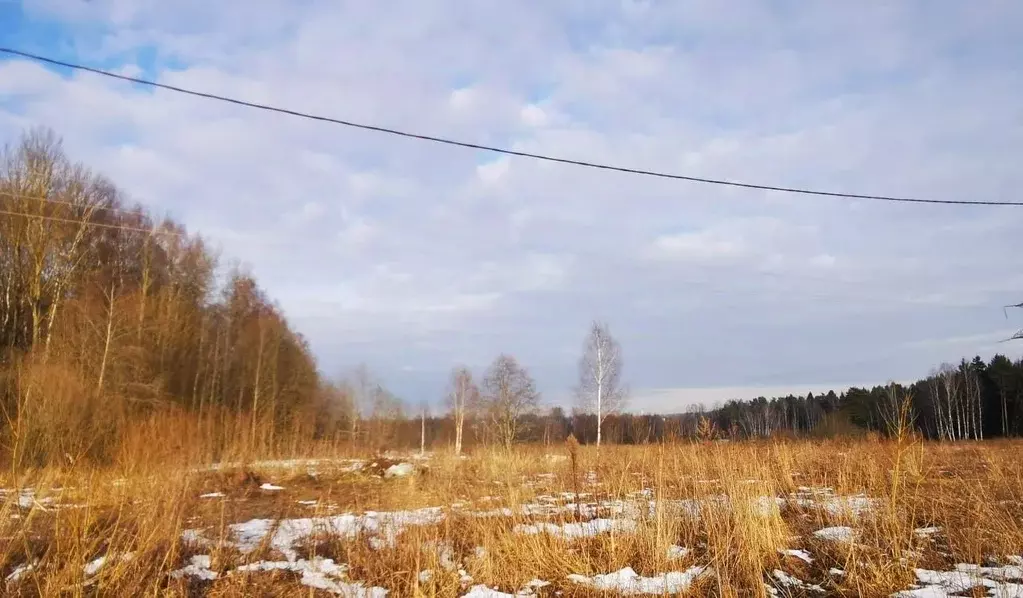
x: 422, y: 434
x: 106, y: 341
x: 459, y: 422
x: 255, y: 384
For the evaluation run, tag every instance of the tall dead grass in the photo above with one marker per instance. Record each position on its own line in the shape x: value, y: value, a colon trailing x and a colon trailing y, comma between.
x: 716, y: 499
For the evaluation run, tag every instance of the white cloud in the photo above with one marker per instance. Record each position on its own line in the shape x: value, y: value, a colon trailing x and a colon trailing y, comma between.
x: 462, y: 99
x: 533, y: 115
x: 696, y: 246
x: 493, y: 171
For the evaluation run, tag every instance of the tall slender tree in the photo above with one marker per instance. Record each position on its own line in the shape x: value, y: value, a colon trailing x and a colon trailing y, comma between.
x: 463, y: 396
x: 600, y: 370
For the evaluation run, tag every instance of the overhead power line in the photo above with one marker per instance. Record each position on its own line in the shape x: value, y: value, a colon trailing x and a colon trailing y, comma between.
x: 95, y: 224
x: 62, y: 202
x: 499, y: 150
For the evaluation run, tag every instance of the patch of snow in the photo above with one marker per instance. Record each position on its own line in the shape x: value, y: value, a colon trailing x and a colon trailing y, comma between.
x: 399, y: 470
x: 199, y: 566
x: 425, y: 575
x: 93, y: 567
x: 20, y: 571
x: 586, y: 529
x: 212, y: 495
x: 924, y: 592
x: 965, y: 577
x: 1007, y: 590
x: 799, y: 554
x: 999, y: 573
x: 533, y: 585
x: 28, y: 498
x: 627, y: 582
x: 317, y: 573
x: 308, y: 503
x: 791, y: 581
x: 270, y: 487
x: 836, y: 534
x: 836, y: 572
x: 677, y: 552
x: 482, y: 591
x: 923, y: 532
x: 384, y: 527
x: 194, y: 536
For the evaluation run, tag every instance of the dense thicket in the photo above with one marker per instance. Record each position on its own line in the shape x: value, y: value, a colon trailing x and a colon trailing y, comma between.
x: 107, y: 314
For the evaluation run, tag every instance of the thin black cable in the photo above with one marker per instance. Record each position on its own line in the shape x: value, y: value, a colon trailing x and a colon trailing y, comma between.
x: 91, y: 223
x: 521, y: 154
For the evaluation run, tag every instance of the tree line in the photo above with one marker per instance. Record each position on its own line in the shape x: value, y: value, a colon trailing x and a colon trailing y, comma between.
x: 107, y: 313
x: 974, y: 400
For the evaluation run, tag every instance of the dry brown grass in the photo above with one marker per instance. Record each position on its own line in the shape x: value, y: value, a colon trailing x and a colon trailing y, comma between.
x: 141, y: 505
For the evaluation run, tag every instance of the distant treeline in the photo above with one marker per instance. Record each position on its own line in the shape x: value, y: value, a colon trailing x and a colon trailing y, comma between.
x: 973, y: 400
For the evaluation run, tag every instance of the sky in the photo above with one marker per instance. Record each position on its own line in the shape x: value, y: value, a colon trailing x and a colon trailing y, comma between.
x: 412, y: 257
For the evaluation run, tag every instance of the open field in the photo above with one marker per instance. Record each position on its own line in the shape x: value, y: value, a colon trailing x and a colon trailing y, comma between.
x: 720, y: 519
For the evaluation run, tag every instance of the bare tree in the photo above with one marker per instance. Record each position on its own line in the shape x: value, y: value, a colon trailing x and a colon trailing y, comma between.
x: 424, y: 411
x: 509, y: 393
x: 463, y: 395
x: 362, y: 388
x: 950, y: 383
x: 600, y: 371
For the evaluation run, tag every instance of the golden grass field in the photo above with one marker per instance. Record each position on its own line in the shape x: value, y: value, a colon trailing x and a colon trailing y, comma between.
x: 707, y: 519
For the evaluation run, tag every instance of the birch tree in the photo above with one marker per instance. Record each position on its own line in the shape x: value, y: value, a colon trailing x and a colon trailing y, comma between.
x: 424, y: 411
x: 463, y: 395
x: 600, y: 370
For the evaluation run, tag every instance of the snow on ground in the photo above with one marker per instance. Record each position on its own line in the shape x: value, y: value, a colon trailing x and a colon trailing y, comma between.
x: 318, y: 573
x: 629, y: 583
x: 198, y: 567
x: 28, y: 498
x: 1000, y: 582
x: 482, y: 591
x: 270, y: 487
x: 399, y: 470
x: 20, y: 571
x: 677, y: 552
x: 384, y: 527
x: 799, y: 554
x: 838, y: 533
x: 586, y: 529
x: 825, y: 498
x: 926, y: 532
x: 793, y: 582
x: 212, y: 495
x: 94, y: 566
